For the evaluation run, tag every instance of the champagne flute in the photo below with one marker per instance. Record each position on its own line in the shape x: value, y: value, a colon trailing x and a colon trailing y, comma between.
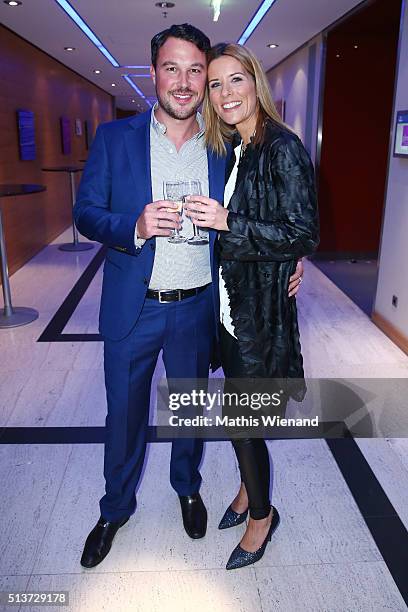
x: 194, y: 188
x: 175, y: 192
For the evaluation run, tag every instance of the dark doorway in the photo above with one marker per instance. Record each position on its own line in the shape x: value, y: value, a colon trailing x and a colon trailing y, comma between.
x: 357, y: 107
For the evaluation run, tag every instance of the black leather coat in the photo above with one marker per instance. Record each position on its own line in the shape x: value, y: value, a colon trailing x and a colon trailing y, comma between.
x: 273, y: 221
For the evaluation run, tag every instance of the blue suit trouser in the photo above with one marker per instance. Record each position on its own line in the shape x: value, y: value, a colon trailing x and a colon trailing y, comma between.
x: 184, y: 331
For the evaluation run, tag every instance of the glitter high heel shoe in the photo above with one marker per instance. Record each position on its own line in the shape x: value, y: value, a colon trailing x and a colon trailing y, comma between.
x: 232, y: 518
x: 240, y: 557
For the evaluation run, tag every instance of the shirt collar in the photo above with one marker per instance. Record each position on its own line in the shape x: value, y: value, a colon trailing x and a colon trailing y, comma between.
x: 161, y: 128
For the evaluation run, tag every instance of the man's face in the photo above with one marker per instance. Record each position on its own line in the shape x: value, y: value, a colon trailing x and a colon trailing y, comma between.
x: 180, y: 78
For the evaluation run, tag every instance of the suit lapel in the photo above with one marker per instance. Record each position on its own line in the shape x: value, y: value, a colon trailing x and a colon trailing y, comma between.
x: 138, y: 149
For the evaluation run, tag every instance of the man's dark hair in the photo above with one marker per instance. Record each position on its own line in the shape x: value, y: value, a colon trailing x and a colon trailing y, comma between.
x: 184, y: 31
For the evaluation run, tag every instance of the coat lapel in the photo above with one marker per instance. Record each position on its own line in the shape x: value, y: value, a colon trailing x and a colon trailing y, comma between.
x: 137, y: 140
x: 216, y: 174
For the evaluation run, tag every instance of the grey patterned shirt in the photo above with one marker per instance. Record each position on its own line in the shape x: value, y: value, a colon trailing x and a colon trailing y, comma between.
x: 178, y: 266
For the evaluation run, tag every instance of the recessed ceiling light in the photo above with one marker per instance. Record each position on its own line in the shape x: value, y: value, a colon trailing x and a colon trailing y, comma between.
x: 13, y: 2
x: 133, y: 101
x: 69, y: 48
x: 165, y: 4
x: 113, y: 84
x: 337, y: 54
x: 96, y: 71
x: 272, y: 45
x: 356, y: 46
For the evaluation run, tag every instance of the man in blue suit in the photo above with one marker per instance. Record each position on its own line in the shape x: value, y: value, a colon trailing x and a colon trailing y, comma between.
x: 156, y: 295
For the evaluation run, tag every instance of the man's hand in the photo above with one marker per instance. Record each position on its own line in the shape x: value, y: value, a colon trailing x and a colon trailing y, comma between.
x: 156, y: 220
x: 296, y: 279
x: 206, y: 212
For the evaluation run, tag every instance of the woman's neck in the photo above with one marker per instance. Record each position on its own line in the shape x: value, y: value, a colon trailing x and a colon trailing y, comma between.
x: 247, y: 129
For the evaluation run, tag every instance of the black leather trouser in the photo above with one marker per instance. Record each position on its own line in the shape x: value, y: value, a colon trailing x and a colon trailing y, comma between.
x: 252, y: 453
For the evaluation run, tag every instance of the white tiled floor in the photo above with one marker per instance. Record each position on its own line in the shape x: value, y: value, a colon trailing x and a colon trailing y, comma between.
x: 322, y: 557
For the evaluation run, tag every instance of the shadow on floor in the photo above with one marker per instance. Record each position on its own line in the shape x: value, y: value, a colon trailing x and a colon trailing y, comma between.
x: 357, y: 278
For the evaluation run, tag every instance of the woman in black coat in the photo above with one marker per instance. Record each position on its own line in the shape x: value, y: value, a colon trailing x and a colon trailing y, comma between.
x: 268, y: 221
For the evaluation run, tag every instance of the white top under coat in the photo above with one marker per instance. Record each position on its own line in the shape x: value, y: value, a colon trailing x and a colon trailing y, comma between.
x: 225, y: 313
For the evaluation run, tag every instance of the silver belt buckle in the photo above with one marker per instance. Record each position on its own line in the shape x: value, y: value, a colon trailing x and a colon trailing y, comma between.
x: 160, y: 291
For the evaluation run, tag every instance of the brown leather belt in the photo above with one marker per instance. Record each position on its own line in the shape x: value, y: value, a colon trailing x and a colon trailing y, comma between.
x: 173, y: 295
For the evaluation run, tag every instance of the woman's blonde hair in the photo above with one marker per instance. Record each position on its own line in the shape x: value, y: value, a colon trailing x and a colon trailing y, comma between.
x: 216, y: 130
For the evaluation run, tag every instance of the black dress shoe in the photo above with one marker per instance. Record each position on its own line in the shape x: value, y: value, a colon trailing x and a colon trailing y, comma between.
x: 99, y: 541
x: 194, y: 515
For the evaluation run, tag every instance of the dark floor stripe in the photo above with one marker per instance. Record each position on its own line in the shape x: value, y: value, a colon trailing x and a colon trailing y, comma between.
x: 96, y: 435
x: 65, y: 435
x: 62, y: 435
x: 74, y: 338
x: 52, y: 435
x: 54, y: 329
x: 386, y: 528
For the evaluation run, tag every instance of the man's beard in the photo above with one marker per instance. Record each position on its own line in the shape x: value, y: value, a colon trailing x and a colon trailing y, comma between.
x: 177, y: 113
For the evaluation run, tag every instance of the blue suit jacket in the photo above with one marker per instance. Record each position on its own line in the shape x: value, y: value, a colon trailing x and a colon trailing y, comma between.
x: 115, y: 187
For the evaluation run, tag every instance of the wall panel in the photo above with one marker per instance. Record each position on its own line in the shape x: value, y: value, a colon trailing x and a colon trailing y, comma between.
x: 32, y: 80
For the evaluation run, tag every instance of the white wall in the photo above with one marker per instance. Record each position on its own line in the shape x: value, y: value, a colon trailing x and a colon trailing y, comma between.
x: 289, y: 80
x: 393, y: 263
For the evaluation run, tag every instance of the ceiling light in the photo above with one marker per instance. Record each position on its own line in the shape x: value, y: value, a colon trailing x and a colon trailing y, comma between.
x: 255, y: 21
x: 133, y: 101
x: 337, y: 54
x: 356, y: 46
x: 164, y: 5
x: 216, y: 4
x: 136, y: 88
x: 13, y: 2
x: 76, y: 18
x: 97, y: 71
x: 69, y: 48
x: 113, y: 84
x: 272, y: 45
x: 140, y: 67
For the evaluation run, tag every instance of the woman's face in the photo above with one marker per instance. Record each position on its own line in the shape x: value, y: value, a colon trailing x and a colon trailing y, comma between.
x: 232, y: 93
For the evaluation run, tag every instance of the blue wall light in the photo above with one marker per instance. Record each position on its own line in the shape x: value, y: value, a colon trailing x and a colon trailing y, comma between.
x: 255, y: 21
x: 71, y: 12
x: 136, y: 88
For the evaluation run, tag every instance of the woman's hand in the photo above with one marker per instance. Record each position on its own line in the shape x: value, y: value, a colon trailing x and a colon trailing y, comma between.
x: 206, y: 212
x: 296, y: 279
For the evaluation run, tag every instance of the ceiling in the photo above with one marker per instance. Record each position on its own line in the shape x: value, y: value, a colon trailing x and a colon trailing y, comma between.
x: 126, y: 27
